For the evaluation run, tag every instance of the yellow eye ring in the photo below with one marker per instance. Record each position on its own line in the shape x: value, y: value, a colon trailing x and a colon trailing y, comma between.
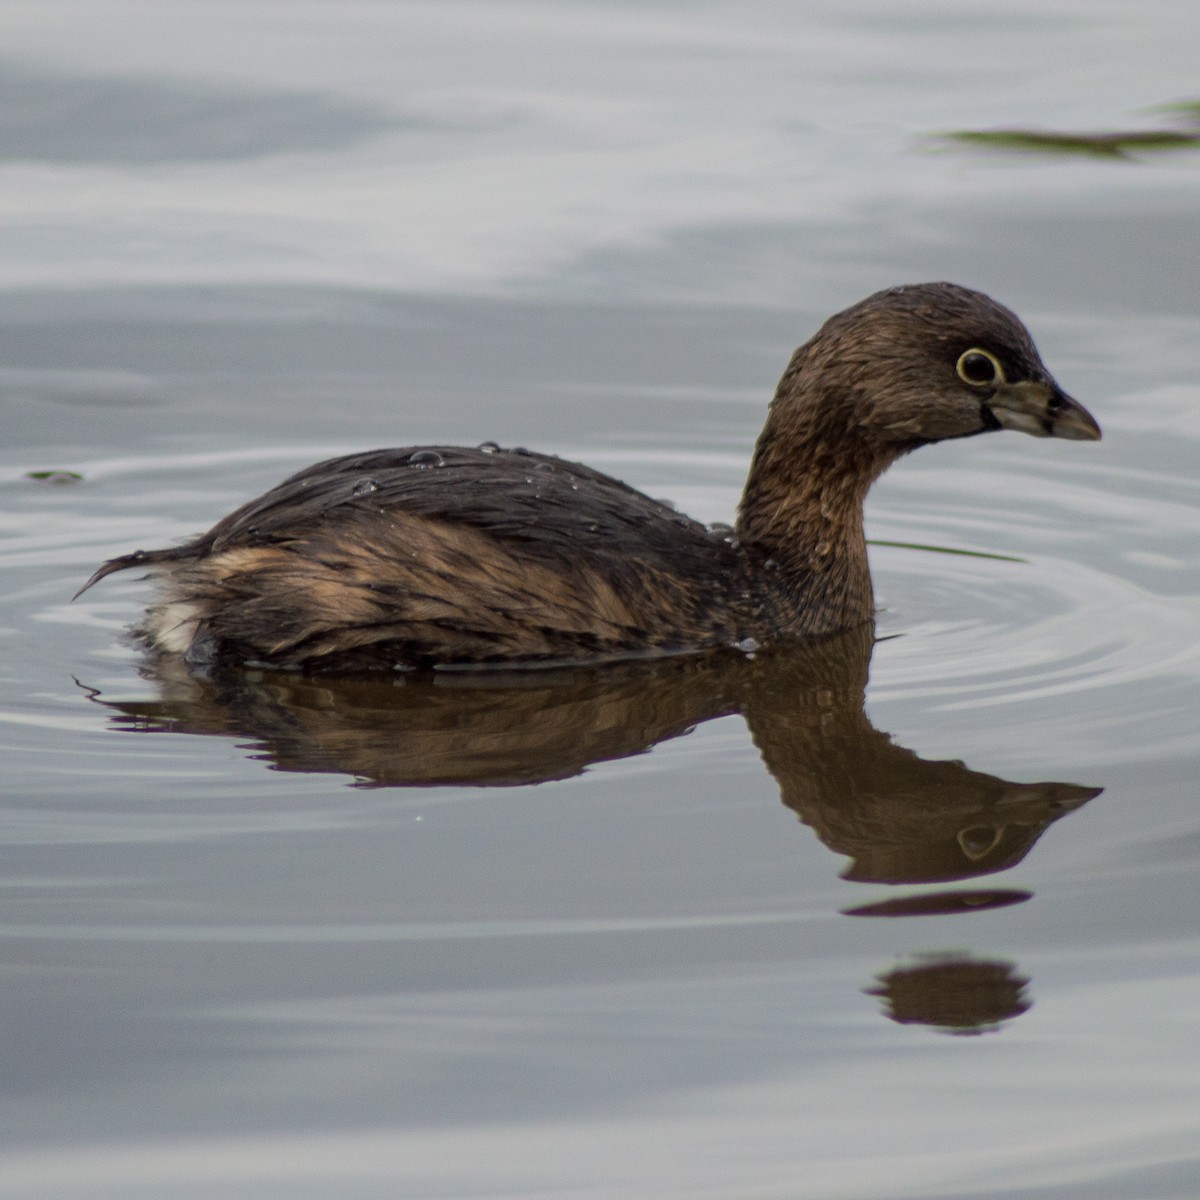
x: 979, y: 368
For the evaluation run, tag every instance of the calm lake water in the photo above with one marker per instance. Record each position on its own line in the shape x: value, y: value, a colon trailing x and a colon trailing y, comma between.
x: 719, y: 928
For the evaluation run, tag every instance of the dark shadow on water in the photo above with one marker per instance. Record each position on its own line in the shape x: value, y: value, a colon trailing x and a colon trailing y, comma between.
x: 899, y: 818
x: 66, y: 118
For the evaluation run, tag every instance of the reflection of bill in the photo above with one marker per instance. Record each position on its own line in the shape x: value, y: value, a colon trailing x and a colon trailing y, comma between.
x: 953, y: 994
x: 899, y: 818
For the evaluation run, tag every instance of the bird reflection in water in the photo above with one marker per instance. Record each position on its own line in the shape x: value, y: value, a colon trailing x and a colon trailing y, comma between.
x: 898, y: 818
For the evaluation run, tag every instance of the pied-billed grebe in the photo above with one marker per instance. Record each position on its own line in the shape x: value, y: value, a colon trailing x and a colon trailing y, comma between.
x: 439, y: 555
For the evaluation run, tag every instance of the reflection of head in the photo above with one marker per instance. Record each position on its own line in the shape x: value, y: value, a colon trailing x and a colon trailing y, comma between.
x: 954, y: 994
x: 897, y: 816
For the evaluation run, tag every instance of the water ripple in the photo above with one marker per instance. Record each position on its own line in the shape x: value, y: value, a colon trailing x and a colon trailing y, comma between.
x: 1102, y: 598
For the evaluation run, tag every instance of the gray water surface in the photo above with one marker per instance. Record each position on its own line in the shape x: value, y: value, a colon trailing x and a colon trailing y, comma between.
x: 910, y: 920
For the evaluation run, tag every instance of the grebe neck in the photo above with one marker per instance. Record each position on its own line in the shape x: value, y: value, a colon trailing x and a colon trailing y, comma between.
x: 802, y: 512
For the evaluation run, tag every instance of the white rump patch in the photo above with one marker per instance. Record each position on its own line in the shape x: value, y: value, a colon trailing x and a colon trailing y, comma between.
x: 172, y: 626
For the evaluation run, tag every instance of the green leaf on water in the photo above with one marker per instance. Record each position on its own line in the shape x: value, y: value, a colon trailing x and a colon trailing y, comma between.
x: 946, y: 550
x: 1119, y: 144
x: 55, y: 476
x: 1188, y: 111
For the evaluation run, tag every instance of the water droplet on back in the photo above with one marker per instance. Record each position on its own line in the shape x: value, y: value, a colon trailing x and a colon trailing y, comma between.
x: 424, y: 459
x: 718, y: 531
x: 364, y: 487
x: 488, y: 447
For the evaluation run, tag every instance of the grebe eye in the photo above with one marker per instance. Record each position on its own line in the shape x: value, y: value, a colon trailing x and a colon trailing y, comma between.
x: 979, y: 368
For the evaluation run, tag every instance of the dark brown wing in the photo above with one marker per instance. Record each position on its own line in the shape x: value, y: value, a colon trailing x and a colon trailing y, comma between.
x: 555, y: 512
x: 553, y: 509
